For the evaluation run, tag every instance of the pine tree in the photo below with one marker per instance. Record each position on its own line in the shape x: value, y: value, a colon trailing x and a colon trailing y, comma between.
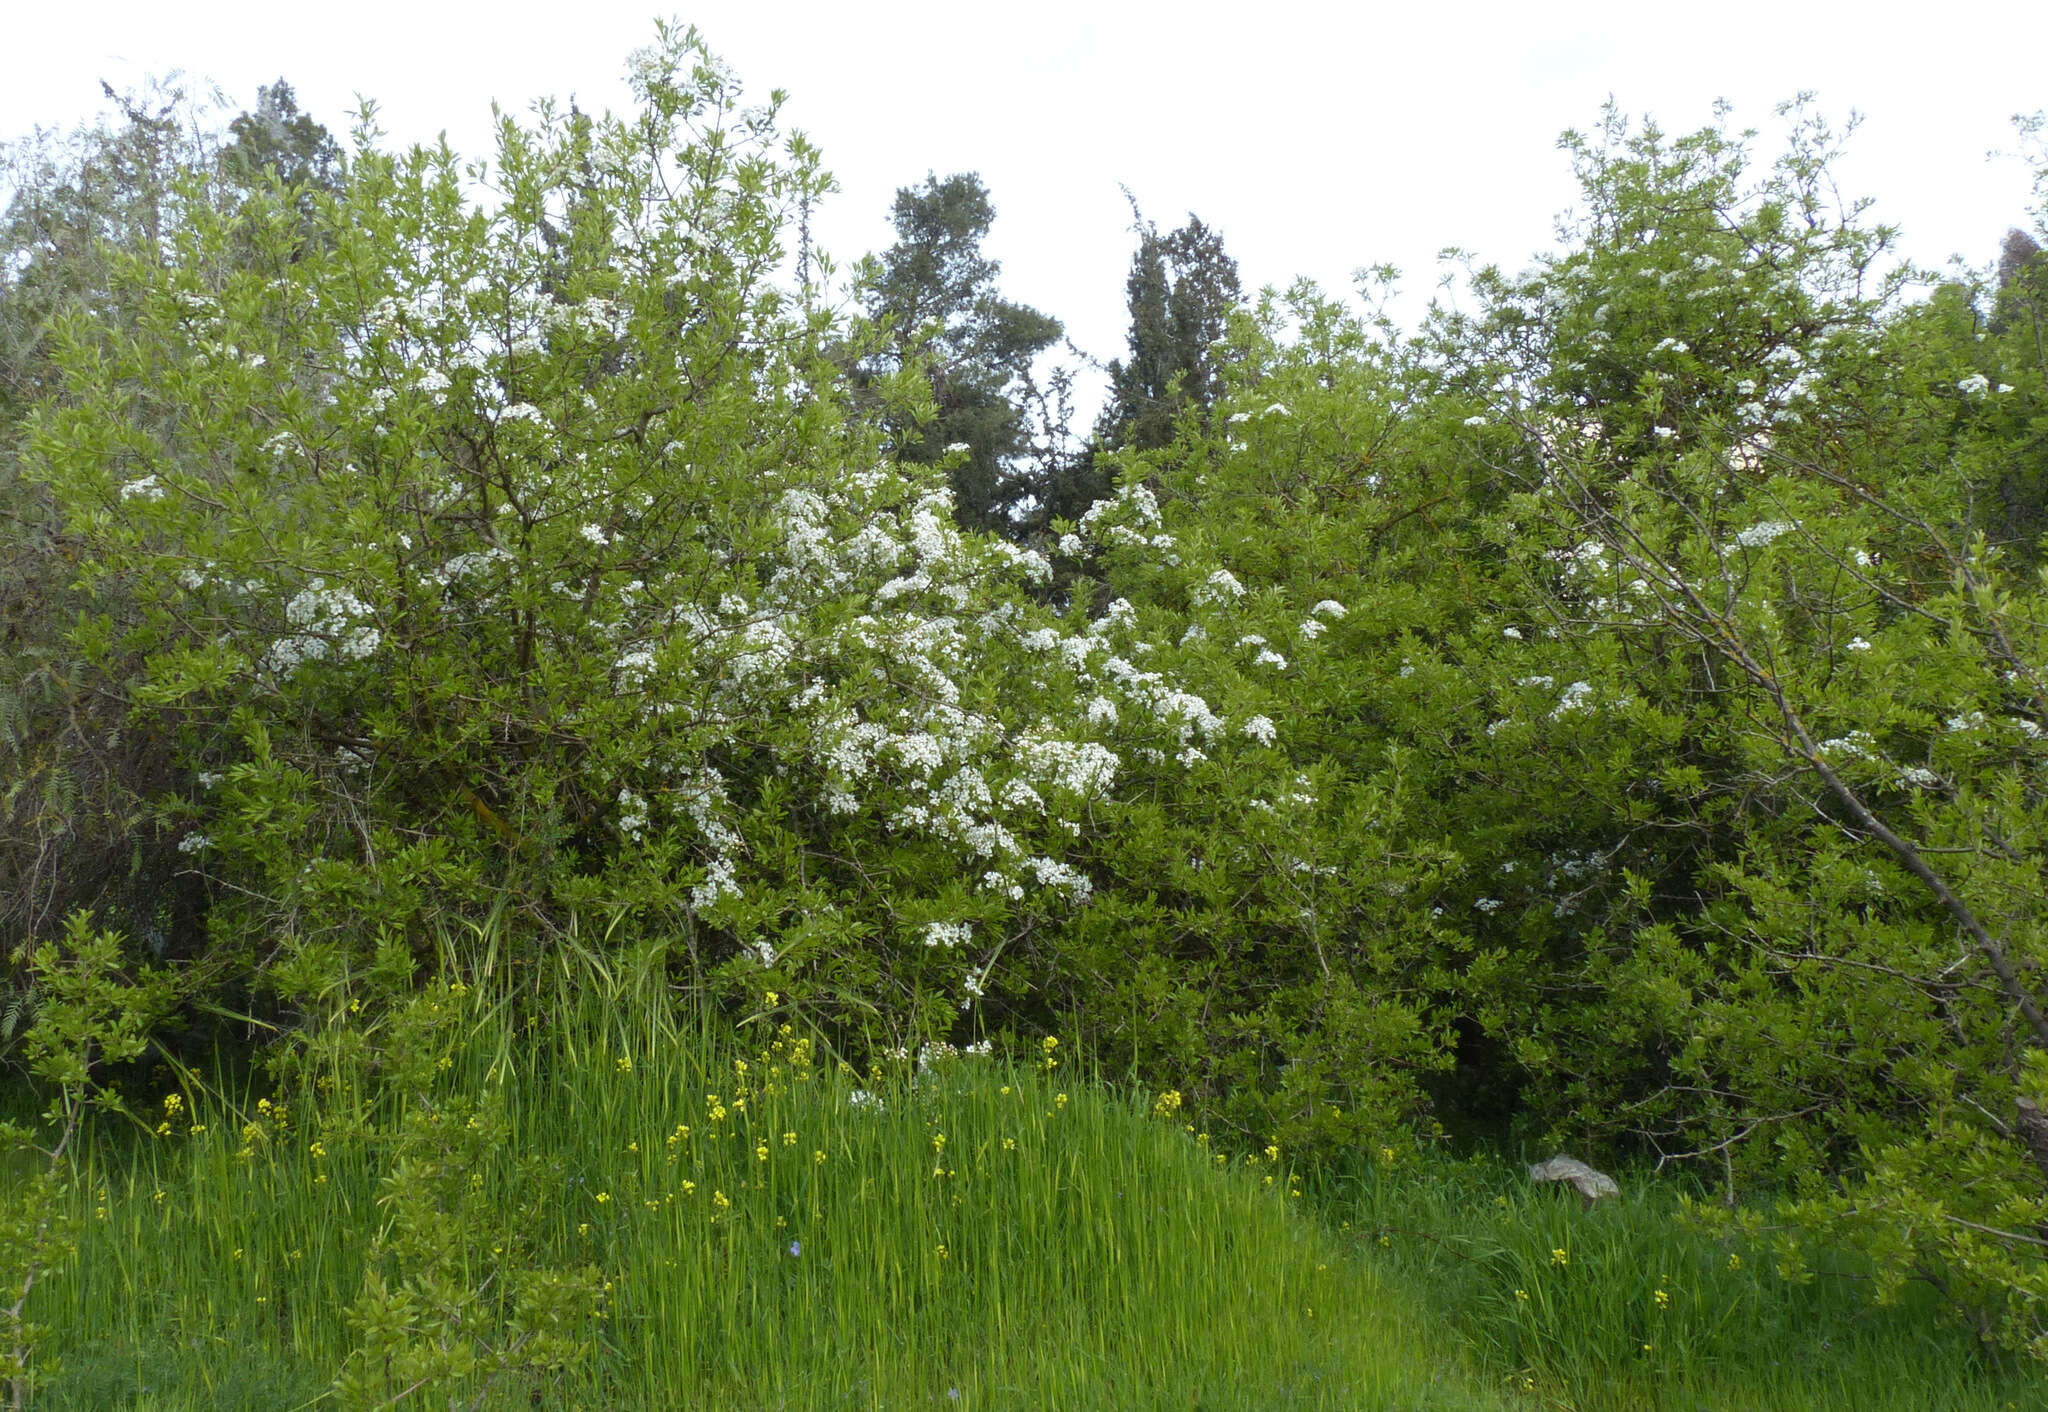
x: 278, y: 138
x: 1182, y: 287
x: 935, y: 292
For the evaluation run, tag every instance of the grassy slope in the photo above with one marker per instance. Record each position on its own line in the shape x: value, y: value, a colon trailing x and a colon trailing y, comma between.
x: 1074, y: 1253
x: 1058, y: 1249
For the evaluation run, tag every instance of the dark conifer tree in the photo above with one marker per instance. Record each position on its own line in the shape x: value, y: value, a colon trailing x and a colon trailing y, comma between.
x: 1182, y: 287
x: 936, y: 292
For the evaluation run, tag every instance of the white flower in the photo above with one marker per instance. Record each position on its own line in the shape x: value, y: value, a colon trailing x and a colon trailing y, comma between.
x: 435, y: 383
x: 632, y: 814
x: 1758, y: 535
x: 144, y: 489
x: 1857, y: 644
x: 1748, y: 455
x: 720, y: 881
x: 634, y: 667
x: 1919, y: 777
x: 1663, y: 433
x: 1052, y: 873
x: 209, y: 778
x: 1235, y: 417
x: 1475, y: 421
x: 1329, y: 608
x: 1259, y: 728
x: 861, y: 1098
x: 194, y: 843
x: 1576, y: 697
x: 191, y: 578
x: 1278, y: 409
x: 596, y: 535
x: 1488, y: 905
x: 1311, y: 629
x: 1976, y: 384
x: 2004, y: 388
x: 1071, y: 546
x: 1515, y: 633
x: 1856, y: 744
x: 957, y: 447
x: 1101, y: 712
x: 948, y: 934
x: 1217, y: 587
x: 1269, y: 658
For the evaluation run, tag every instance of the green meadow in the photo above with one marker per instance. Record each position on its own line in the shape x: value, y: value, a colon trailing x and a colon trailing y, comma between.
x: 740, y: 1222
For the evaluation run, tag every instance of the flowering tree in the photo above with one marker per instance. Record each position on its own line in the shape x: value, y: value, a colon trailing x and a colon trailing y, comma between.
x: 529, y: 549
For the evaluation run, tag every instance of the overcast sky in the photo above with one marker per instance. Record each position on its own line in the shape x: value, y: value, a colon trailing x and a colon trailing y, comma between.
x: 1318, y: 139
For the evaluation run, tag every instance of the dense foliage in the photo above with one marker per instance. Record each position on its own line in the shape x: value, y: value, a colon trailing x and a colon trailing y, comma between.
x: 1614, y: 713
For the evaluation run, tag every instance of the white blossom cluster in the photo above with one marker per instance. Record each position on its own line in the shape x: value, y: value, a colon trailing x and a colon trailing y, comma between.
x: 1758, y: 535
x: 1221, y: 586
x: 330, y: 622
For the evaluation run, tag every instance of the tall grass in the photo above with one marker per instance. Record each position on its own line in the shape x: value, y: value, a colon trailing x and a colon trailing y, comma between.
x: 1624, y: 1306
x: 771, y: 1232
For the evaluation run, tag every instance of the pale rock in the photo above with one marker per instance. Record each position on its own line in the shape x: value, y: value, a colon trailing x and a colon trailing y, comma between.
x: 1588, y: 1183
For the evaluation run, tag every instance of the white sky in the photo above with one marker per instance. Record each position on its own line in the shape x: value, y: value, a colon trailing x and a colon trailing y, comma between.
x: 1317, y: 138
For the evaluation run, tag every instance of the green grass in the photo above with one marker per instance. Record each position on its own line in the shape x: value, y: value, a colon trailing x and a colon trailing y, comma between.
x: 1060, y: 1247
x: 986, y: 1236
x: 1588, y: 1331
